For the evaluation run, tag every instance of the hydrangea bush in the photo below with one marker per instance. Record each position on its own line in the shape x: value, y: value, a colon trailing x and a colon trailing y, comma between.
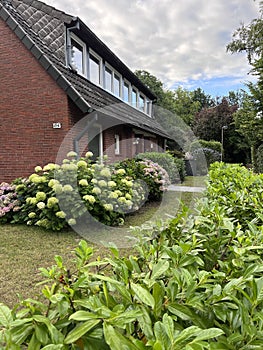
x: 59, y: 195
x: 9, y: 203
x: 155, y: 178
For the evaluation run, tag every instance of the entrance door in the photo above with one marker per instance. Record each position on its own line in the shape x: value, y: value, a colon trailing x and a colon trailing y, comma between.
x: 95, y: 141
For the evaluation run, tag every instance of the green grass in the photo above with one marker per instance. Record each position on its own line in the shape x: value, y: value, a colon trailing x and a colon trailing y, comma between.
x: 23, y: 250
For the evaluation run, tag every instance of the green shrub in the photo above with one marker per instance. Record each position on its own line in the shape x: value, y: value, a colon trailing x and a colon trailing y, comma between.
x: 214, y: 145
x: 193, y: 283
x: 259, y: 159
x: 237, y: 190
x: 173, y: 166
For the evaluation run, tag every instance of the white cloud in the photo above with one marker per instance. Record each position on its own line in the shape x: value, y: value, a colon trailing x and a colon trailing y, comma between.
x: 177, y: 41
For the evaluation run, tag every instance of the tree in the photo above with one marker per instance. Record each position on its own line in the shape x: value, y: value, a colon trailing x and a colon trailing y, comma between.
x: 248, y: 119
x: 249, y: 123
x: 205, y: 101
x: 208, y: 124
x: 249, y: 39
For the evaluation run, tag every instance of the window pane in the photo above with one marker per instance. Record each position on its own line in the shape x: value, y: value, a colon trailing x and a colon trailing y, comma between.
x: 108, y: 75
x: 134, y: 98
x: 116, y: 84
x: 94, y: 70
x: 141, y: 103
x: 126, y: 92
x: 148, y: 106
x: 77, y: 56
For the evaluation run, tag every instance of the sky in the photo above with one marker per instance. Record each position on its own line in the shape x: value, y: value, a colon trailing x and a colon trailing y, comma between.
x: 181, y: 42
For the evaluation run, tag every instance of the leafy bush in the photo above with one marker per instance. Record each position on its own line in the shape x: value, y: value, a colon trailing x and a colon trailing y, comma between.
x: 214, y: 145
x: 238, y: 190
x: 173, y: 166
x: 9, y: 203
x: 193, y: 283
x: 150, y: 173
x: 259, y: 159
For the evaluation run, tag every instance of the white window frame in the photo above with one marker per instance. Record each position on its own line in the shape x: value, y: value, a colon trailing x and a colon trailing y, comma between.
x: 144, y: 110
x: 94, y: 54
x: 84, y: 53
x: 137, y: 94
x: 125, y: 81
x: 113, y: 72
x: 117, y: 144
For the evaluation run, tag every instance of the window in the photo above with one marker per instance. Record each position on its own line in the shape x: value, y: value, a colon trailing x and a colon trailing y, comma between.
x: 117, y: 85
x: 117, y: 144
x: 108, y: 79
x: 95, y: 69
x: 78, y: 55
x: 141, y: 103
x: 126, y: 90
x: 134, y: 98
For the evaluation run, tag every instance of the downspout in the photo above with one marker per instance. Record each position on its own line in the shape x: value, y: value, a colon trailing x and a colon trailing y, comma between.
x: 82, y: 133
x: 68, y: 42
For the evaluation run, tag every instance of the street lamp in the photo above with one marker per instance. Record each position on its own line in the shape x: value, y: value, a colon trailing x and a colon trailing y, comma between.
x: 224, y: 127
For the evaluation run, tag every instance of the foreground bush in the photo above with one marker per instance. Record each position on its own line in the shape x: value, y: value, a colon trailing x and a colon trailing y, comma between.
x: 238, y: 191
x: 192, y: 284
x: 259, y: 159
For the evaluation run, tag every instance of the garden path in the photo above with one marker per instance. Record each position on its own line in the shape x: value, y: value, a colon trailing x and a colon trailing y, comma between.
x: 179, y: 188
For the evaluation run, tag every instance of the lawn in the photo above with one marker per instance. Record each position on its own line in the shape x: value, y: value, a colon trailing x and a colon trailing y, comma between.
x: 23, y: 250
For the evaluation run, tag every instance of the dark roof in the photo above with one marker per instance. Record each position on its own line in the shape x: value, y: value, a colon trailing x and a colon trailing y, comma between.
x: 41, y: 28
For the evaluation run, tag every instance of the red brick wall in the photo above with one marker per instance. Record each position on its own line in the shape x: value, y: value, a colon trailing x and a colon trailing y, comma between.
x: 126, y: 142
x: 30, y: 102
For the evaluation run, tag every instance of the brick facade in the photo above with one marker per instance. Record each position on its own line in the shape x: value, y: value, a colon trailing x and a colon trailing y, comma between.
x: 30, y: 102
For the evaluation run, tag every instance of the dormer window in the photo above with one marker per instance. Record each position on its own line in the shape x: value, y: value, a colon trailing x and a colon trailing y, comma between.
x: 78, y: 55
x: 95, y: 63
x: 134, y: 98
x: 86, y: 62
x: 141, y: 103
x: 126, y: 92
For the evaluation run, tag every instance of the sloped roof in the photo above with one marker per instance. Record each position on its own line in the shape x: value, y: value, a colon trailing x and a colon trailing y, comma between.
x: 41, y: 28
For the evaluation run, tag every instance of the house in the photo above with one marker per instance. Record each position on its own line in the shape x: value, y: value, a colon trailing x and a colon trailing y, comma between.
x: 61, y: 89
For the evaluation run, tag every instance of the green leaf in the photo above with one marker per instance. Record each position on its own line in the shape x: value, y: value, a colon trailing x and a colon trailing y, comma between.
x: 20, y: 333
x: 79, y: 331
x: 83, y: 316
x: 5, y: 315
x: 41, y: 334
x: 145, y: 322
x: 158, y: 295
x: 169, y: 326
x: 143, y: 295
x: 117, y: 341
x: 159, y: 269
x: 186, y: 335
x: 34, y: 343
x: 206, y: 334
x: 53, y: 347
x: 161, y: 335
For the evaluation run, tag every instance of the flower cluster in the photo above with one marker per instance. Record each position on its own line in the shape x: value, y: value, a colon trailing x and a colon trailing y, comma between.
x: 9, y: 203
x: 154, y: 177
x: 158, y: 174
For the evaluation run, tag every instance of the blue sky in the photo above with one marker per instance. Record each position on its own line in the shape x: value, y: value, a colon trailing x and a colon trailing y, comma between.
x: 183, y: 42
